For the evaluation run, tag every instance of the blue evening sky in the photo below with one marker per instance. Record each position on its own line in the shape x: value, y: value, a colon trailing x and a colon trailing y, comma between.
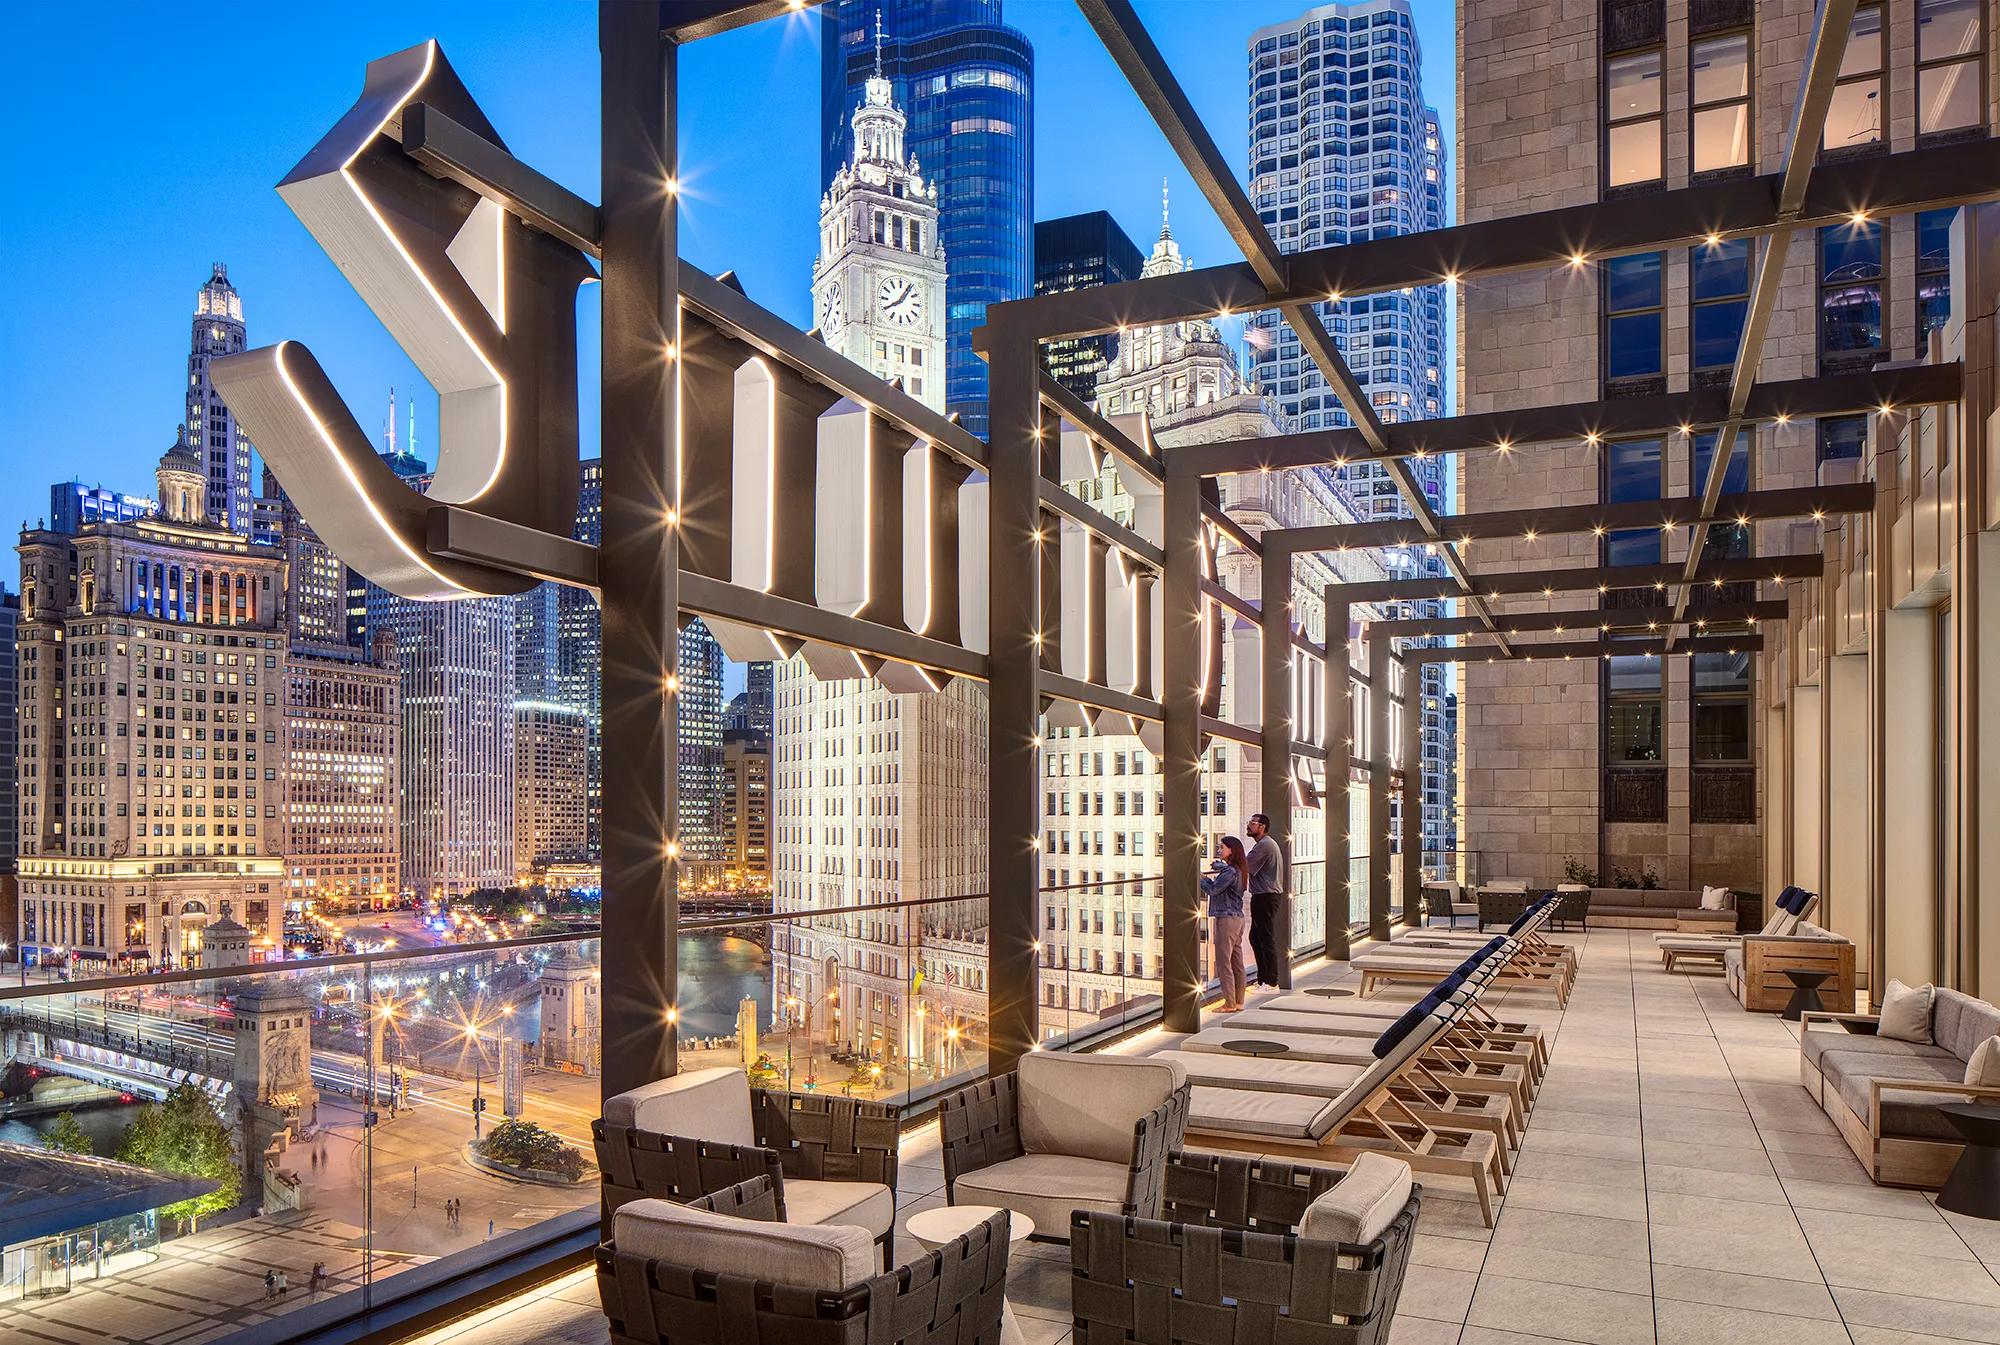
x: 147, y: 140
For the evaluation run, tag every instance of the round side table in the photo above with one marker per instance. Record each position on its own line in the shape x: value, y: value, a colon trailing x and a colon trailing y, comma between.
x: 934, y: 1228
x: 1805, y: 992
x: 1256, y: 1046
x: 1974, y: 1184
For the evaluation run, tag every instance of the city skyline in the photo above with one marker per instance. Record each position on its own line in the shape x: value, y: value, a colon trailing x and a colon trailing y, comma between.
x: 147, y: 258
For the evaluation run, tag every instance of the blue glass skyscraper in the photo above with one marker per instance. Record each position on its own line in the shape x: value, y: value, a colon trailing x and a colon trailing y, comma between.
x: 966, y: 81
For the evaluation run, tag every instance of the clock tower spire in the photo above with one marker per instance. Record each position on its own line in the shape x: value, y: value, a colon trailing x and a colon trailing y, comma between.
x: 878, y: 283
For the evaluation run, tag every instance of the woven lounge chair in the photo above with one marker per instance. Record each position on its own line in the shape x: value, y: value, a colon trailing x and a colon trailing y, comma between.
x: 1247, y: 1249
x: 830, y: 1160
x: 724, y: 1270
x: 1065, y: 1132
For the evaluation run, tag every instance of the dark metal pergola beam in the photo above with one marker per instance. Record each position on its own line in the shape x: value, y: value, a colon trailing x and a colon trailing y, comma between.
x: 1900, y: 183
x: 1794, y: 502
x: 1583, y: 619
x: 1832, y: 19
x: 1584, y: 422
x: 1600, y: 578
x: 1125, y: 37
x: 1601, y: 647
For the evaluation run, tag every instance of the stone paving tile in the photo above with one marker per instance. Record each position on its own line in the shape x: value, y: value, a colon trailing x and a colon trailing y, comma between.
x: 1677, y: 1187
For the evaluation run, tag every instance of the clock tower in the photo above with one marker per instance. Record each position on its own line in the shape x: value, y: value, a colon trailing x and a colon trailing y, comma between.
x: 878, y: 285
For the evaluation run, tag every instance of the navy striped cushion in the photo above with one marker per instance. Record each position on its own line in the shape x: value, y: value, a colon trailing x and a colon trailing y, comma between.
x: 1407, y: 1024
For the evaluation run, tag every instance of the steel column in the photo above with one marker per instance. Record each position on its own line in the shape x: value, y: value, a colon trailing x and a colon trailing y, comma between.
x: 1334, y: 814
x: 1378, y: 785
x: 1180, y: 759
x: 641, y: 561
x: 1275, y: 651
x: 1014, y: 701
x: 1413, y: 791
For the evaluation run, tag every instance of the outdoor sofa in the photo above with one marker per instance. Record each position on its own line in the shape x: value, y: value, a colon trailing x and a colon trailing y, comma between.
x: 1659, y: 908
x: 1884, y: 1093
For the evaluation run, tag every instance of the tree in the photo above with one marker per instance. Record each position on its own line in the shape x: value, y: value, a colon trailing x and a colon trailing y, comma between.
x: 184, y: 1136
x: 66, y: 1136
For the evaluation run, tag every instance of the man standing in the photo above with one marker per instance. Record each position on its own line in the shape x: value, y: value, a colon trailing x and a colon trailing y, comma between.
x: 1270, y: 924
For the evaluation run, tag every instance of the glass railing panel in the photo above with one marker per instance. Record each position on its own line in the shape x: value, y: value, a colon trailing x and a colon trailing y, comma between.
x: 1100, y: 956
x: 883, y: 1002
x: 337, y: 1122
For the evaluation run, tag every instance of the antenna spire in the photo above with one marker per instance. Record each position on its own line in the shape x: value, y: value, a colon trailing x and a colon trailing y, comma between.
x: 878, y: 43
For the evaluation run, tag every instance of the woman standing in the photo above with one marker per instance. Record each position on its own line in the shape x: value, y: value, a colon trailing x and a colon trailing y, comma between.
x: 1225, y: 887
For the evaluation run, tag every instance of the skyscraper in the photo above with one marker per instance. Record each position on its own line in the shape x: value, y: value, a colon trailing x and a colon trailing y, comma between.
x: 149, y: 799
x: 10, y: 731
x: 580, y: 649
x: 965, y: 80
x: 225, y: 450
x: 341, y: 770
x: 316, y: 580
x: 1343, y: 149
x: 538, y: 642
x: 456, y: 681
x: 704, y: 843
x: 551, y: 817
x: 879, y: 280
x: 1072, y: 253
x: 750, y: 709
x: 73, y: 504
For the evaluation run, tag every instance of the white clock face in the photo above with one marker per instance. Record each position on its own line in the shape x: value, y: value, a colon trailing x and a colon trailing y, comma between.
x: 901, y: 303
x: 832, y: 317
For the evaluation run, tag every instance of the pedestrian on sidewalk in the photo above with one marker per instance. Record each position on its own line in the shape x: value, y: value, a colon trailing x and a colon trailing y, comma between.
x: 270, y: 1284
x: 318, y: 1282
x: 283, y: 1286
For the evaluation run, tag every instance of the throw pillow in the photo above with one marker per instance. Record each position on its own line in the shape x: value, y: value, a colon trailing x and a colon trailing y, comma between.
x: 1983, y: 1069
x: 1712, y: 898
x: 1906, y: 1013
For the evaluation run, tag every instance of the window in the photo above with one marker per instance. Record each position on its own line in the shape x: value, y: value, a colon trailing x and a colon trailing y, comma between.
x: 1850, y: 296
x: 1949, y: 78
x: 1722, y: 702
x: 1854, y: 119
x: 1726, y: 541
x: 1633, y: 296
x: 1632, y: 471
x: 1632, y: 718
x: 1719, y: 69
x: 1633, y: 124
x: 1720, y: 292
x: 1842, y: 437
x: 1933, y: 274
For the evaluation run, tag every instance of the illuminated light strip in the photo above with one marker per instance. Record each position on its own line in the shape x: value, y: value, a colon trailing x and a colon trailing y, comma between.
x: 925, y: 487
x: 353, y: 481
x: 500, y: 459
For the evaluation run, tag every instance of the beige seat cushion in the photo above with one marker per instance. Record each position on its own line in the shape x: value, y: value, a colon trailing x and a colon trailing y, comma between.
x: 1046, y: 1187
x: 1273, y: 1074
x: 703, y: 1104
x: 1239, y: 1111
x: 1087, y: 1105
x: 868, y: 1205
x: 1817, y: 1041
x: 1306, y: 1046
x: 1906, y: 1013
x: 829, y: 1257
x: 1361, y: 1205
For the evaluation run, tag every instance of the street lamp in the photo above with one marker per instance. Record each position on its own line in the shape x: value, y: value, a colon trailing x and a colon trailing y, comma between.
x: 478, y: 1075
